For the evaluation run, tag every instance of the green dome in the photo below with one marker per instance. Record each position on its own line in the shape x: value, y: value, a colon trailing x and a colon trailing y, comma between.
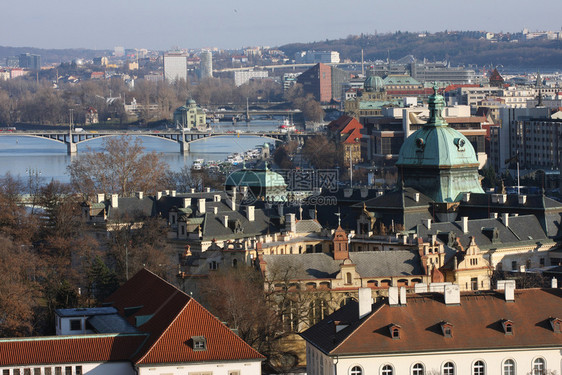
x: 437, y: 160
x: 256, y: 178
x: 374, y: 83
x: 437, y: 144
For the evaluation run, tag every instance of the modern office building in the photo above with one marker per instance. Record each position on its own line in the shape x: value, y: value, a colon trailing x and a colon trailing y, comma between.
x: 29, y: 61
x: 175, y: 66
x: 243, y: 77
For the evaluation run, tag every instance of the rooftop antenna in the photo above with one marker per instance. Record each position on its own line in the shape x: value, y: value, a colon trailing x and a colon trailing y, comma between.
x: 339, y: 217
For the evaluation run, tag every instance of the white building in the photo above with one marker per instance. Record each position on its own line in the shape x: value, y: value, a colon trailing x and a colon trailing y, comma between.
x: 206, y: 64
x: 175, y: 66
x: 500, y: 332
x: 148, y: 327
x: 243, y: 77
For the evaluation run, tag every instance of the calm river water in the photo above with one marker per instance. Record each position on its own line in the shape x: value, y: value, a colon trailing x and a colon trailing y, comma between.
x: 19, y: 155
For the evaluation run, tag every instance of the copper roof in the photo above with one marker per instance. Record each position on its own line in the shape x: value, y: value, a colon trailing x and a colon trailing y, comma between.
x: 476, y: 324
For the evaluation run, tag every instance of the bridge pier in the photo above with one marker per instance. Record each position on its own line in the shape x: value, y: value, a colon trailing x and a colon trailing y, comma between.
x: 71, y: 148
x: 184, y: 147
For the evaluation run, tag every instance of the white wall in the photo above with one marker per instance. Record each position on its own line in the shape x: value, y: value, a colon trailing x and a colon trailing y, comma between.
x: 216, y: 368
x: 114, y: 368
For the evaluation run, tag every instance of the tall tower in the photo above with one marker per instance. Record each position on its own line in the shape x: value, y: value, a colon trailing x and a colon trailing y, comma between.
x: 206, y: 64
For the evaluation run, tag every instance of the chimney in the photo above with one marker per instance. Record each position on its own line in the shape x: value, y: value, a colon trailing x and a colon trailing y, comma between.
x: 225, y: 221
x: 554, y: 283
x: 433, y: 239
x: 185, y: 202
x: 250, y: 213
x: 201, y: 205
x: 465, y: 224
x: 158, y: 195
x: 192, y: 190
x: 167, y: 192
x: 393, y: 296
x: 466, y: 197
x: 140, y: 194
x: 510, y: 290
x: 290, y: 223
x: 493, y: 215
x: 505, y: 219
x: 216, y: 198
x: 101, y: 197
x: 428, y: 223
x: 280, y: 209
x: 207, y: 190
x: 364, y: 192
x: 173, y: 193
x: 417, y: 197
x: 347, y: 192
x: 233, y: 199
x: 403, y: 295
x: 215, y: 210
x: 365, y: 302
x: 114, y: 200
x: 452, y: 294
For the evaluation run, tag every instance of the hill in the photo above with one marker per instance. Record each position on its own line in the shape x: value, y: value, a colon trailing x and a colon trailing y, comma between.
x: 51, y: 56
x: 460, y: 48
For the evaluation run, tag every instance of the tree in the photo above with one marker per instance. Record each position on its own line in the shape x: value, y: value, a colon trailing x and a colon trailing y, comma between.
x: 321, y: 152
x: 121, y: 167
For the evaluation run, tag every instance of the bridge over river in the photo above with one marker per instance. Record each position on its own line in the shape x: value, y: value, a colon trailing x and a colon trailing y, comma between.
x: 182, y: 138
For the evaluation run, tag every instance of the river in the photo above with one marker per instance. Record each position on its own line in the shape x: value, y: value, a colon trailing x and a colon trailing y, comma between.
x: 23, y: 155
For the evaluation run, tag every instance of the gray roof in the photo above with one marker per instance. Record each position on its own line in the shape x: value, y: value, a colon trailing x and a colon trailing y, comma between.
x: 132, y: 208
x: 68, y: 313
x: 368, y: 264
x: 113, y: 323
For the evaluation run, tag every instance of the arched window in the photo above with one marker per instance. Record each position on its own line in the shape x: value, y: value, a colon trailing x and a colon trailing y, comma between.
x: 387, y: 370
x: 418, y: 369
x: 509, y: 367
x: 478, y: 368
x: 356, y: 370
x: 234, y: 262
x: 539, y: 366
x: 348, y: 278
x: 449, y: 368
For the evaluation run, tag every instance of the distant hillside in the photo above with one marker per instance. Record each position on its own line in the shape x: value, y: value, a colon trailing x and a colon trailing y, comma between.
x: 50, y: 56
x: 460, y: 48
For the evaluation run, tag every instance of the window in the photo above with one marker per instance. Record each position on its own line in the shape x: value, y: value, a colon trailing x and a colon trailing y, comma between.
x: 48, y: 371
x: 199, y: 343
x: 348, y: 278
x: 68, y: 370
x: 449, y: 368
x: 16, y: 371
x: 509, y: 367
x: 37, y: 371
x: 513, y: 265
x: 418, y: 369
x: 356, y: 370
x: 5, y: 372
x: 387, y: 370
x: 538, y: 366
x: 478, y: 368
x: 395, y: 333
x: 78, y: 370
x: 213, y: 265
x: 75, y: 324
x: 234, y: 262
x: 58, y: 370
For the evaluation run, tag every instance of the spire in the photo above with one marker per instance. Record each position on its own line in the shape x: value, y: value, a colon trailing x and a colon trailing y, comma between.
x: 436, y: 103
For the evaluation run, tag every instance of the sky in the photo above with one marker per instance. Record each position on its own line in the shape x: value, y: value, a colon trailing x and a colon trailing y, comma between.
x: 233, y: 24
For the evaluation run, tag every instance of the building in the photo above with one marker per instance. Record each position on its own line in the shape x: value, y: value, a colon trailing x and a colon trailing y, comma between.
x: 441, y: 332
x: 190, y: 116
x: 441, y: 72
x: 29, y: 61
x: 243, y: 77
x: 318, y: 82
x: 206, y: 64
x: 175, y: 66
x: 147, y: 326
x: 315, y: 57
x: 346, y: 131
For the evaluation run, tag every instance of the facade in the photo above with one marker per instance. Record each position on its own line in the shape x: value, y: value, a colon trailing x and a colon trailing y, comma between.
x: 318, y: 82
x: 347, y: 132
x: 147, y: 326
x: 175, y: 66
x: 30, y: 61
x: 314, y: 57
x: 444, y: 332
x: 206, y: 64
x: 190, y: 116
x: 243, y: 77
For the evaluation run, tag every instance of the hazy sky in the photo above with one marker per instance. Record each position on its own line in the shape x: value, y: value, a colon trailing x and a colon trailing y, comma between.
x: 163, y: 24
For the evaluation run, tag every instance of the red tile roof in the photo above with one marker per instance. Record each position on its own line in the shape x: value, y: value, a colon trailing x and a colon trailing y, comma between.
x: 166, y: 318
x: 476, y: 324
x: 64, y: 349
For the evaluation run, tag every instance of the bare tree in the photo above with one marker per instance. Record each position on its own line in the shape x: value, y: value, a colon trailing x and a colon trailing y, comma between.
x: 121, y: 167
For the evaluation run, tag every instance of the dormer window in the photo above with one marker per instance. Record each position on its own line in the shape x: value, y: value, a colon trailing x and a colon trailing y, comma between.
x: 394, y: 331
x: 199, y: 343
x: 556, y: 324
x: 447, y: 329
x: 507, y: 326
